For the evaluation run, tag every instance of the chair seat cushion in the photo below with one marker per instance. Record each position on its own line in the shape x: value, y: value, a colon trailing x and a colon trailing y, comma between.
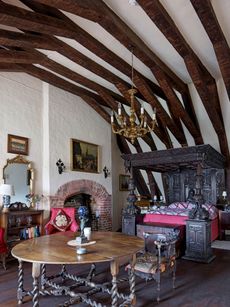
x: 62, y: 221
x: 147, y: 263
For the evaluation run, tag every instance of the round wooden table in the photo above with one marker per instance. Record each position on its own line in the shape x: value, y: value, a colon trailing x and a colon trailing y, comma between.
x: 113, y: 247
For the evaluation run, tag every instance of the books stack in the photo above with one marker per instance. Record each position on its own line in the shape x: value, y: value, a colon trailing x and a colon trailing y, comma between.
x: 30, y: 232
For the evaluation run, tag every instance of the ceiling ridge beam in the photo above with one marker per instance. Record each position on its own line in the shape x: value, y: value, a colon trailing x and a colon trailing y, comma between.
x: 210, y: 23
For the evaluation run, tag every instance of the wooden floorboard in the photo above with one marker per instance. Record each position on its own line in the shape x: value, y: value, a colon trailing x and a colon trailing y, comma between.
x: 197, y: 285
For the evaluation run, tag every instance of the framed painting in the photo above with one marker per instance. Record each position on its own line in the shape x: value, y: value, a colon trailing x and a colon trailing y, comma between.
x: 124, y: 182
x: 18, y: 145
x: 84, y: 156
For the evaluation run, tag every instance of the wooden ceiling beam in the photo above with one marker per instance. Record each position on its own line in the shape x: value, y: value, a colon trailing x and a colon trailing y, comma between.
x: 17, y: 39
x: 103, y: 15
x: 23, y: 19
x: 161, y: 113
x: 210, y: 22
x: 188, y: 123
x: 52, y: 79
x: 176, y: 108
x: 157, y: 13
x: 204, y: 92
x: 10, y: 67
x: 72, y: 75
x: 201, y: 77
x: 58, y: 14
x: 124, y: 91
x: 111, y: 102
x: 137, y: 175
x: 12, y: 56
x: 90, y: 42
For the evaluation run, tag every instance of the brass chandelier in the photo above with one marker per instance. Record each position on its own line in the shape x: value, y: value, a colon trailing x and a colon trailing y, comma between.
x: 132, y: 127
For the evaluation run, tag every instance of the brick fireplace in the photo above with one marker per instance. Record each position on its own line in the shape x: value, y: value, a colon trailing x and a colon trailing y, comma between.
x: 100, y: 199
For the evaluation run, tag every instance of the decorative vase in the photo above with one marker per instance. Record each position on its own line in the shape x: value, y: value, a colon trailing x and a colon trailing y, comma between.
x: 83, y: 216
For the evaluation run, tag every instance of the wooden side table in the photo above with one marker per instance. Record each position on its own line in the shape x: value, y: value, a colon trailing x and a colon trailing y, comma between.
x: 224, y: 222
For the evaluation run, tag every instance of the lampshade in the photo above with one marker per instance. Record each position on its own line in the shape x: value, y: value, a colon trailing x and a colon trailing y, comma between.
x: 224, y: 194
x: 6, y: 189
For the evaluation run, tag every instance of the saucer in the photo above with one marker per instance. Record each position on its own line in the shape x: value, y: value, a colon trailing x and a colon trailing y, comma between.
x: 74, y: 243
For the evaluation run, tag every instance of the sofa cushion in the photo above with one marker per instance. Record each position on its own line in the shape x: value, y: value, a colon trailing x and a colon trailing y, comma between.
x: 62, y: 221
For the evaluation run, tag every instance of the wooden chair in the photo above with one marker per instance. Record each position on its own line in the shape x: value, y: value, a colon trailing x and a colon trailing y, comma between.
x: 3, y: 248
x: 159, y: 258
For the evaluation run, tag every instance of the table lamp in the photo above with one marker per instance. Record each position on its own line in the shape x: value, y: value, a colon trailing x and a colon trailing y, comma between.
x: 6, y: 190
x: 224, y: 194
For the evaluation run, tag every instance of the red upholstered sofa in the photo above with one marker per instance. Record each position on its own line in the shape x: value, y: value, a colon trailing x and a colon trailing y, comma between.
x: 177, y: 214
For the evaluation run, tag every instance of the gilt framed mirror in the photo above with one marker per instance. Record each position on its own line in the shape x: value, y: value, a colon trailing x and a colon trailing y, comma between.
x: 19, y: 173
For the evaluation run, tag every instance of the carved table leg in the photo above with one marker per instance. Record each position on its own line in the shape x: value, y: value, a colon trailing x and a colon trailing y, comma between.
x: 20, y: 282
x: 35, y: 274
x: 43, y: 276
x: 114, y: 268
x: 132, y: 282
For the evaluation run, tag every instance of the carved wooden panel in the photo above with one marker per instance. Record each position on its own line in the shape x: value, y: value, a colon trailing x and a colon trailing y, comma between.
x: 177, y: 184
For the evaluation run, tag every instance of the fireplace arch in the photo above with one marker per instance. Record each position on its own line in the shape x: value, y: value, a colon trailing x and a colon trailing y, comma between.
x: 100, y: 199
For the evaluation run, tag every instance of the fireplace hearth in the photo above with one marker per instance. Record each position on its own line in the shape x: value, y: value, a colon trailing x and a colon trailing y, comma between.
x: 93, y: 195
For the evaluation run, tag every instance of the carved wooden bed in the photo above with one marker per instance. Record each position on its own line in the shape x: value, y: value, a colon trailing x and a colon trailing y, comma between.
x: 179, y: 174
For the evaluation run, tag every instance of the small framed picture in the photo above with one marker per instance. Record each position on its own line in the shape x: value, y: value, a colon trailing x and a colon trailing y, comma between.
x: 18, y: 145
x: 124, y: 182
x: 84, y: 156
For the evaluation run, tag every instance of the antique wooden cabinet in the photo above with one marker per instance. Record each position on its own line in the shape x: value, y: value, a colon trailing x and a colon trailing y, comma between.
x: 198, y: 241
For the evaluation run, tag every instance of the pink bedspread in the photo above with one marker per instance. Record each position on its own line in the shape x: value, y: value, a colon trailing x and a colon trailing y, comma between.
x: 179, y: 220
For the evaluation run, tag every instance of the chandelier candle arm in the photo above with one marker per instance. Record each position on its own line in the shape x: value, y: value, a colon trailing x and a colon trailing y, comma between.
x: 130, y: 128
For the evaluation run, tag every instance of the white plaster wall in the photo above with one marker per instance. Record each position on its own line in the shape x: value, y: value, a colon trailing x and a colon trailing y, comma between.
x: 119, y: 198
x: 70, y: 117
x: 20, y: 109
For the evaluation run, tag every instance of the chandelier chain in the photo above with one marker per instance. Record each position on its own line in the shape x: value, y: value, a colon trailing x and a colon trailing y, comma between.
x: 129, y: 128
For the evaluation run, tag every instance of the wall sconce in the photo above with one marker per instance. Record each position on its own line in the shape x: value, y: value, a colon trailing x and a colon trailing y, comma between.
x: 61, y: 166
x: 106, y: 172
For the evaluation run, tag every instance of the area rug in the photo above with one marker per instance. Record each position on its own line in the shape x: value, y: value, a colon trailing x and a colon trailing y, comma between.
x: 221, y: 244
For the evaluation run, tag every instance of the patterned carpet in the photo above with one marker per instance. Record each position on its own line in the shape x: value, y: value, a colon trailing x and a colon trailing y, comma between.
x: 221, y: 244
